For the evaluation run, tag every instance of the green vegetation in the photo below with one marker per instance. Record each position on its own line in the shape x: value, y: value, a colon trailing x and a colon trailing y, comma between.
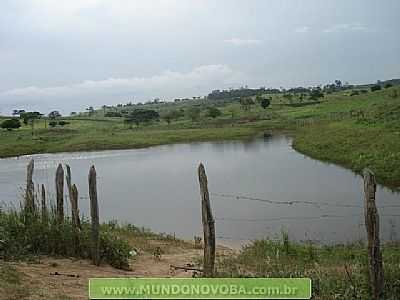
x: 26, y: 236
x: 348, y: 125
x: 11, y: 124
x: 337, y: 271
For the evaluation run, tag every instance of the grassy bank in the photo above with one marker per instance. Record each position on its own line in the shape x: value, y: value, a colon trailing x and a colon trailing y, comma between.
x: 29, y: 236
x: 337, y: 272
x: 369, y: 138
x: 80, y: 137
x: 354, y: 147
x: 354, y: 131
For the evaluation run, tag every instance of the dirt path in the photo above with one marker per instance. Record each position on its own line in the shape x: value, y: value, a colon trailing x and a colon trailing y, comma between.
x: 72, y: 280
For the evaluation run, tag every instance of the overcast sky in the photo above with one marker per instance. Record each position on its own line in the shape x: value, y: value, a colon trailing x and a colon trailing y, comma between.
x: 67, y: 55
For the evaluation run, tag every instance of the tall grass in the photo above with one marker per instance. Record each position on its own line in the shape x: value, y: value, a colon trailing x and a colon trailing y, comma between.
x: 24, y: 234
x: 336, y: 271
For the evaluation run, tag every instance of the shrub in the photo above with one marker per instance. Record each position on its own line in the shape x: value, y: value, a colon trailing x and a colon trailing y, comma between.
x: 63, y: 123
x: 114, y: 250
x: 11, y: 124
x: 355, y: 93
x: 53, y: 124
x: 213, y: 112
x: 265, y: 102
x: 113, y: 114
x: 375, y: 88
x: 24, y: 234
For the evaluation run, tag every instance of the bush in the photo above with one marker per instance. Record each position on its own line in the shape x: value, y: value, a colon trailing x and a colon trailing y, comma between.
x: 265, y: 102
x: 52, y: 124
x: 355, y: 93
x: 114, y: 250
x: 11, y: 124
x: 213, y: 112
x: 113, y: 114
x: 375, y: 88
x: 24, y: 234
x: 63, y: 123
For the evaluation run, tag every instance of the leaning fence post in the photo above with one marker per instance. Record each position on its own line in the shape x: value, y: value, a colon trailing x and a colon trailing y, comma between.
x: 30, y: 189
x: 76, y: 224
x: 43, y: 205
x: 73, y: 199
x: 372, y: 226
x: 68, y: 180
x: 74, y: 207
x: 60, y: 193
x: 94, y: 213
x: 208, y: 224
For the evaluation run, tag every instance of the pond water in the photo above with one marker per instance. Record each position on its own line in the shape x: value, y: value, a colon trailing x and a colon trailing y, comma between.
x: 251, y: 185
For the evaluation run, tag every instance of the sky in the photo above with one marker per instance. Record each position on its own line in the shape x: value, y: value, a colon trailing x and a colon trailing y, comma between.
x: 68, y: 55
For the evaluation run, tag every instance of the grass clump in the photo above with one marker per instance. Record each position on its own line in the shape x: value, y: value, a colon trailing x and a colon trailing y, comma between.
x: 24, y: 235
x: 337, y: 271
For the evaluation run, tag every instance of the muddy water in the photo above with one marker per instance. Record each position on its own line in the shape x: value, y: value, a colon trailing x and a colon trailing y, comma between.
x: 258, y: 189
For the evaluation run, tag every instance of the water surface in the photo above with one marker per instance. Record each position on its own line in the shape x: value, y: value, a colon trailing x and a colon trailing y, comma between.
x: 157, y: 188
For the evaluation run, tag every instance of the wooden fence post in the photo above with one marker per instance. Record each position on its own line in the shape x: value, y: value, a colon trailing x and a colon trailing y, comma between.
x: 44, y: 205
x: 76, y: 223
x: 30, y: 189
x: 372, y: 226
x: 73, y: 199
x: 208, y: 224
x: 68, y: 180
x: 60, y: 193
x: 94, y: 213
x: 74, y: 207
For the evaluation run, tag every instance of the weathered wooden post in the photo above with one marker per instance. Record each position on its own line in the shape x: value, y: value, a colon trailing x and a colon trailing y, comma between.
x: 94, y: 213
x: 208, y: 224
x: 30, y: 189
x: 372, y: 226
x: 44, y: 205
x: 73, y: 199
x: 76, y: 223
x: 74, y: 207
x: 68, y: 179
x: 60, y: 193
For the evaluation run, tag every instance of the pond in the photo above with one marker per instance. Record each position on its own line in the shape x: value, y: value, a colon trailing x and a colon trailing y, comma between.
x: 258, y: 188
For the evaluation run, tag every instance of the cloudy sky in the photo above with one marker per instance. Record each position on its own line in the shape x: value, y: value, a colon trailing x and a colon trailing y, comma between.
x: 67, y: 55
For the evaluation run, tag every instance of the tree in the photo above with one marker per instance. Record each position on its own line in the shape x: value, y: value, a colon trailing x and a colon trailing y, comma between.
x: 316, y: 93
x: 11, y: 124
x: 288, y: 97
x: 171, y: 115
x: 139, y: 115
x: 338, y: 84
x: 375, y: 88
x: 54, y: 115
x: 246, y: 103
x: 194, y: 113
x: 265, y: 102
x: 30, y: 117
x: 17, y: 112
x: 113, y: 114
x: 90, y: 110
x: 213, y: 112
x: 104, y: 107
x: 63, y: 123
x: 388, y: 85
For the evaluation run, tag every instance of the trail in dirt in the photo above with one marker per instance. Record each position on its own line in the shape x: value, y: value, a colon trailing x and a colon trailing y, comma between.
x: 72, y: 281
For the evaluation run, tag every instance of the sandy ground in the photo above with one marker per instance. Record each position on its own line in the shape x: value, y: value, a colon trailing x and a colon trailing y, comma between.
x: 71, y: 281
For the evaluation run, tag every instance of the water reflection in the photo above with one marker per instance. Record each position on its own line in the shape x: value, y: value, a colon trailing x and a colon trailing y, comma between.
x: 157, y: 188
